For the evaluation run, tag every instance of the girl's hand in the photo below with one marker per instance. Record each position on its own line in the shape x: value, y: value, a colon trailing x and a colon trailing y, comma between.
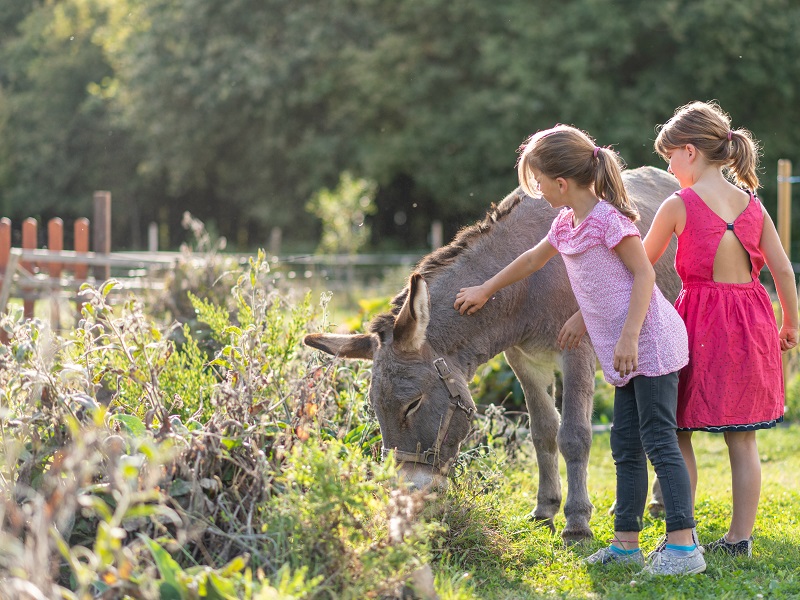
x: 572, y: 332
x: 626, y: 355
x: 788, y: 337
x: 471, y: 299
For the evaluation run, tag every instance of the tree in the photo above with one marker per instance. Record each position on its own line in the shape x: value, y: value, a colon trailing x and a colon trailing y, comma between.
x: 60, y: 141
x: 239, y: 110
x: 343, y: 212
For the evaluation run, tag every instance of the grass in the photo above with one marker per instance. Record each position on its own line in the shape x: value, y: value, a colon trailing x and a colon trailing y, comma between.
x: 494, y: 553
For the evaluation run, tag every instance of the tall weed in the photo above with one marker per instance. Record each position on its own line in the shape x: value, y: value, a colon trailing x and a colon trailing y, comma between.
x: 135, y: 462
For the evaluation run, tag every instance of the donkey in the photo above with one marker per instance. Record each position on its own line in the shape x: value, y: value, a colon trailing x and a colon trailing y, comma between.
x: 425, y: 353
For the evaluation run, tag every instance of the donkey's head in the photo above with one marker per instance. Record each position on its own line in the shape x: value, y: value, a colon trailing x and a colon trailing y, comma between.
x: 421, y: 398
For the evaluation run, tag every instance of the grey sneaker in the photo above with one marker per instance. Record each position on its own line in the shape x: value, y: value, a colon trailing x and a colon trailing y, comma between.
x: 606, y: 555
x: 667, y: 562
x: 662, y: 543
x: 743, y: 548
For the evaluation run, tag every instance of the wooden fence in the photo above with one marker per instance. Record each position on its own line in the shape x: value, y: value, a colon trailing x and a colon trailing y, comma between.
x: 54, y: 273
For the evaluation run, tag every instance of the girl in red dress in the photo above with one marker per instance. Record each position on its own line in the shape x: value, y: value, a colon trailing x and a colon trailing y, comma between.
x: 733, y: 383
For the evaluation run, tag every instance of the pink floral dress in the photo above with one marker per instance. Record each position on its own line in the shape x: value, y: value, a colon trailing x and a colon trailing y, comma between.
x: 602, y: 286
x: 734, y: 380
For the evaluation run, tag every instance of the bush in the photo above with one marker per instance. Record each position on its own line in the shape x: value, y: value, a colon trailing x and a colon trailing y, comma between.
x: 131, y: 462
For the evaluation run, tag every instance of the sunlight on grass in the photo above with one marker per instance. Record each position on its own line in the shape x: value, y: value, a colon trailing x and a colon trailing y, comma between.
x: 523, y: 561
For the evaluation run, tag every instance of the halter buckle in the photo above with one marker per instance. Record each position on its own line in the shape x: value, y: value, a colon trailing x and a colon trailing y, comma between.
x: 441, y: 368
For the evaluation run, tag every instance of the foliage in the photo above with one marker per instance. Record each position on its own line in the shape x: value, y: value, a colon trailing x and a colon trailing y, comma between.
x: 330, y: 517
x: 245, y: 108
x: 202, y: 270
x: 793, y: 399
x: 60, y: 138
x: 133, y: 464
x: 342, y: 212
x: 495, y: 383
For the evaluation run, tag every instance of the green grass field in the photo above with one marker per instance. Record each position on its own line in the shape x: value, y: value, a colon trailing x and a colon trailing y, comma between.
x: 493, y: 552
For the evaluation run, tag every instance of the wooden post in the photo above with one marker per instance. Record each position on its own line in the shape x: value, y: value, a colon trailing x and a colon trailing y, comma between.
x: 81, y: 245
x: 437, y: 235
x: 163, y: 228
x: 275, y: 235
x: 5, y: 243
x: 152, y: 237
x: 55, y: 242
x: 785, y: 205
x: 5, y: 252
x: 29, y: 242
x: 101, y: 231
x: 785, y: 230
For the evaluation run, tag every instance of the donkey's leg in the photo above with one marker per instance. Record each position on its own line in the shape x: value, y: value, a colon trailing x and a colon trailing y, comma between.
x: 575, y: 438
x: 656, y: 505
x: 535, y: 376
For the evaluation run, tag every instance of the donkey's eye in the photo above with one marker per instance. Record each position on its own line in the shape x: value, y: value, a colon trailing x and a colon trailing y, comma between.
x: 412, y: 408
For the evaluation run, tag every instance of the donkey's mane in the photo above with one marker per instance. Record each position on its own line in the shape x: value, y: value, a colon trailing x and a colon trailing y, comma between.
x: 445, y: 256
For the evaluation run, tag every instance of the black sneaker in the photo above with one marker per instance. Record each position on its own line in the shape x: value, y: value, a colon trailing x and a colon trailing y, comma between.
x: 743, y: 548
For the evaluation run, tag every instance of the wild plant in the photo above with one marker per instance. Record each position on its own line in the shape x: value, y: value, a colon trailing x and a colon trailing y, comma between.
x: 136, y: 465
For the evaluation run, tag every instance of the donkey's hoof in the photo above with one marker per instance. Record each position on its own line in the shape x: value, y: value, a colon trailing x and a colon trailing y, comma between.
x: 656, y: 509
x: 543, y: 522
x: 576, y: 536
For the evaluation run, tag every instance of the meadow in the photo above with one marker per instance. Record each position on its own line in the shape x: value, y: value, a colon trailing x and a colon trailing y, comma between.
x: 189, y: 446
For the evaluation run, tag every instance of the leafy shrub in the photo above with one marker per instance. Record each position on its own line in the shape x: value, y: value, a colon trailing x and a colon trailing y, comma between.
x: 130, y: 461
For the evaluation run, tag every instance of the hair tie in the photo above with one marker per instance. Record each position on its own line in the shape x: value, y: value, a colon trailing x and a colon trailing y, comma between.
x: 596, y: 150
x: 730, y: 135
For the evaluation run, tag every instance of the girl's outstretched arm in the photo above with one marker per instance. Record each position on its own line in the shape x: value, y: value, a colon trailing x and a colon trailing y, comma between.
x: 670, y: 218
x: 626, y: 352
x: 783, y: 275
x: 471, y: 299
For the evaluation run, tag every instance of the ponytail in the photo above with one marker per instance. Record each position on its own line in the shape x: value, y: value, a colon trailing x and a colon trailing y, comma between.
x: 743, y: 159
x: 608, y: 183
x: 567, y: 152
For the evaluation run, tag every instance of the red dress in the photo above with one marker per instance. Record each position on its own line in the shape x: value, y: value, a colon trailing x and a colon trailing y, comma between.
x: 734, y: 379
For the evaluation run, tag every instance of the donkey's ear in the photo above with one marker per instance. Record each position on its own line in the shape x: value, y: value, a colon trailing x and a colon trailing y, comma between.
x: 359, y: 345
x: 412, y: 321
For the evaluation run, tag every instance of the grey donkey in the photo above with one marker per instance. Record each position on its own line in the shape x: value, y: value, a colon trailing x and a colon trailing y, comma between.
x: 424, y: 352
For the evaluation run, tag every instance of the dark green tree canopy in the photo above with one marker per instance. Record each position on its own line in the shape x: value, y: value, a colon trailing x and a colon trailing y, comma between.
x: 240, y: 110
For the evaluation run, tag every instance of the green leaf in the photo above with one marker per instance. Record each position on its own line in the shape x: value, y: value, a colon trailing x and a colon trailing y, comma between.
x: 167, y: 567
x: 179, y: 487
x: 169, y: 591
x: 219, y: 588
x: 231, y: 443
x: 353, y: 435
x: 108, y: 286
x: 133, y: 425
x: 237, y: 565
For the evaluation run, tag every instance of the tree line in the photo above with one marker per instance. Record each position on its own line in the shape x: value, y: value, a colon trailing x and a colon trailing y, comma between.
x: 241, y: 110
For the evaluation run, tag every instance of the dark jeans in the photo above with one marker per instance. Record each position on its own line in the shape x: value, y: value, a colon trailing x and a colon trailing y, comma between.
x: 644, y: 425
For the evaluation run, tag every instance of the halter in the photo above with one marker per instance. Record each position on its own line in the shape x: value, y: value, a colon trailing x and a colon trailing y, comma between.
x: 431, y: 456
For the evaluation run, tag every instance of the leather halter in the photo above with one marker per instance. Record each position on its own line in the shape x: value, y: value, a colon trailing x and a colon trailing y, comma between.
x: 430, y: 456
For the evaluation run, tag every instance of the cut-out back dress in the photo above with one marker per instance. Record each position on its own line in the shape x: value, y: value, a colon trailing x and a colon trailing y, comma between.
x: 734, y: 379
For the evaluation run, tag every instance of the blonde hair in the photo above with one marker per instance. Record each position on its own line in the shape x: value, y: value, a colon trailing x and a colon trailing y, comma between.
x: 567, y: 152
x: 708, y: 128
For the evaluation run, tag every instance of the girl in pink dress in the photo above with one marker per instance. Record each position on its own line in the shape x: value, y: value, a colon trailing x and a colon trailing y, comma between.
x: 639, y: 339
x: 733, y: 383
